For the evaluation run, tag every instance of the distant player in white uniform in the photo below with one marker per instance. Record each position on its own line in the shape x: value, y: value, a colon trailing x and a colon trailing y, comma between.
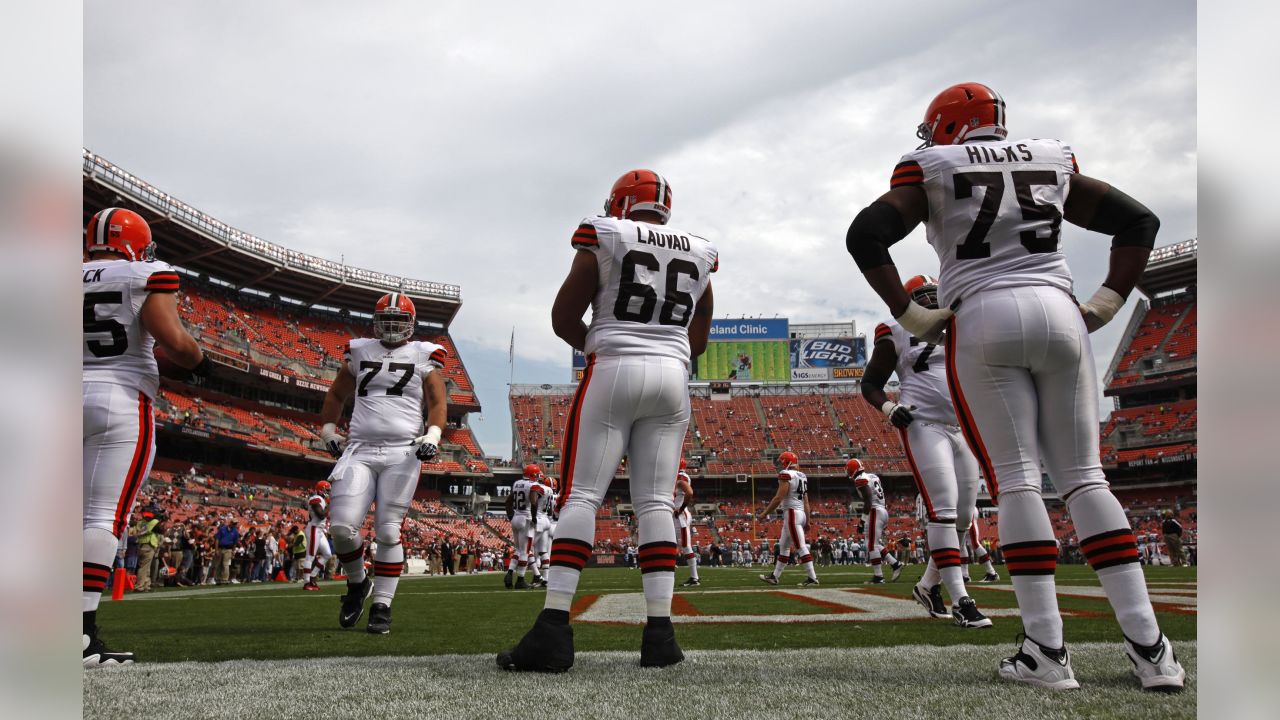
x: 868, y: 487
x: 972, y: 549
x: 540, y: 560
x: 318, y: 551
x: 522, y: 510
x: 1020, y: 368
x: 130, y: 306
x: 683, y: 524
x: 395, y: 382
x: 792, y: 499
x: 649, y: 289
x: 945, y: 472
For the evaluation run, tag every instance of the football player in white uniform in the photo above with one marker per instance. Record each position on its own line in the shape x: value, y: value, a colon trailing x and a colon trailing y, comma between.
x: 522, y: 509
x: 1019, y: 363
x: 540, y: 559
x: 945, y: 472
x: 318, y: 552
x: 649, y: 288
x: 971, y: 549
x: 868, y: 487
x: 394, y: 381
x: 792, y: 498
x: 130, y: 306
x: 684, y: 532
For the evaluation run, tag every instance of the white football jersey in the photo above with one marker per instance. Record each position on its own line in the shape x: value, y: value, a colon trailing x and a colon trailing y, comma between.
x: 546, y: 501
x: 316, y: 505
x: 651, y: 278
x: 872, y: 480
x: 117, y: 349
x: 388, y: 403
x: 679, y: 494
x: 794, y: 499
x: 995, y: 210
x: 522, y: 495
x: 922, y: 512
x: 922, y: 374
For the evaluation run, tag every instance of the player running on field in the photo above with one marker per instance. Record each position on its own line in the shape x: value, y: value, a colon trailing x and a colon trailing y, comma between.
x: 649, y: 289
x: 395, y: 382
x: 792, y: 499
x: 1020, y: 367
x: 318, y: 552
x: 130, y: 306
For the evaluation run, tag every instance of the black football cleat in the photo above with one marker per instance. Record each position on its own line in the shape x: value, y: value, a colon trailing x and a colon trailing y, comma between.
x: 547, y: 647
x: 769, y: 578
x: 897, y: 571
x: 97, y: 654
x: 521, y: 584
x: 931, y: 601
x: 808, y: 582
x: 507, y: 580
x: 658, y: 647
x: 353, y: 602
x: 966, y: 614
x: 875, y: 580
x: 990, y: 577
x: 379, y: 619
x: 691, y: 582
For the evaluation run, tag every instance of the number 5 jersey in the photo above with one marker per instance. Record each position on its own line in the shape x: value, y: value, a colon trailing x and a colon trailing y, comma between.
x: 117, y: 348
x: 651, y: 278
x: 388, y: 405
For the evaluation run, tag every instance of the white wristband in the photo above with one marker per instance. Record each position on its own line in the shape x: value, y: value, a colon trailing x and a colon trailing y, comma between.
x: 1105, y: 303
x: 328, y: 429
x: 433, y: 435
x: 887, y: 407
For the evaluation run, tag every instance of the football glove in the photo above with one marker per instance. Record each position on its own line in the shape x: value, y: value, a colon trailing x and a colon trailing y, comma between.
x: 203, y: 369
x: 1100, y: 308
x: 924, y: 323
x: 426, y: 447
x: 333, y: 442
x: 899, y: 415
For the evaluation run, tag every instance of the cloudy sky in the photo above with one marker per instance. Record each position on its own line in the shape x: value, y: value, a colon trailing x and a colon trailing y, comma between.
x: 463, y: 142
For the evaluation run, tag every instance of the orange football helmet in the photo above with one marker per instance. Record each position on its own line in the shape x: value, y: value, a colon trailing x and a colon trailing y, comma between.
x: 683, y: 464
x: 854, y: 468
x: 532, y: 471
x: 393, y: 318
x: 960, y: 111
x: 923, y: 290
x: 788, y: 459
x: 323, y: 487
x: 639, y: 190
x: 120, y: 231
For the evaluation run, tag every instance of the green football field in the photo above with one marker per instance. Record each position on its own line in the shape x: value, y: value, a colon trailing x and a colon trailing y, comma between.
x: 448, y: 628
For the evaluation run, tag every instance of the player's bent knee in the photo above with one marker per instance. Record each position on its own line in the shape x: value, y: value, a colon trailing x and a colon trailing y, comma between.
x: 345, y: 537
x: 387, y: 535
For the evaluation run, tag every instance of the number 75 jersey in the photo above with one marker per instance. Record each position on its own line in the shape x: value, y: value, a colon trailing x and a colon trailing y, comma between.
x: 995, y: 212
x: 922, y: 374
x: 388, y: 407
x: 117, y: 348
x: 650, y: 279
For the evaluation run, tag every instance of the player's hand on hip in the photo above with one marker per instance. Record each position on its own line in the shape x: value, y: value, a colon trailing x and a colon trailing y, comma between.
x: 899, y: 415
x: 926, y: 324
x: 333, y: 441
x: 1099, y: 309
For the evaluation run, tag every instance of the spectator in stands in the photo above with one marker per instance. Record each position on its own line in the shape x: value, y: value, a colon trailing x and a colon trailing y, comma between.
x: 227, y: 537
x: 173, y: 542
x: 1172, y: 530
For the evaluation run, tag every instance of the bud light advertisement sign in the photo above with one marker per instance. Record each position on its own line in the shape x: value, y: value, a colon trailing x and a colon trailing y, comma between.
x: 828, y: 353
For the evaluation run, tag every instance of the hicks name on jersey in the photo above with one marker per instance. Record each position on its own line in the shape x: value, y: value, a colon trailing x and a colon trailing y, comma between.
x: 980, y: 154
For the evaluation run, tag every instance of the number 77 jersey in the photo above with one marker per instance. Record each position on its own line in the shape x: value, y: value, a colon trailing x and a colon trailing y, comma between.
x: 995, y: 212
x: 922, y: 374
x: 650, y: 279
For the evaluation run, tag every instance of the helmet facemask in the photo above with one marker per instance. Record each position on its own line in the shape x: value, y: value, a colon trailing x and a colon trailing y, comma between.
x: 926, y: 295
x: 393, y: 325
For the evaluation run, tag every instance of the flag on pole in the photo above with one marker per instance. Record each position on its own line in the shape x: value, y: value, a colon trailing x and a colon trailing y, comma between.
x: 511, y: 352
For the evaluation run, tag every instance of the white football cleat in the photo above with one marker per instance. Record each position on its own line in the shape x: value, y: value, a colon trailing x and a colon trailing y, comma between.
x: 1158, y: 671
x: 1032, y: 666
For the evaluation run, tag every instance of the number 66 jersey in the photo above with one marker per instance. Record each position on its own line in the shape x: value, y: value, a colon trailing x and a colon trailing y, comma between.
x: 995, y: 211
x: 651, y: 278
x: 388, y: 407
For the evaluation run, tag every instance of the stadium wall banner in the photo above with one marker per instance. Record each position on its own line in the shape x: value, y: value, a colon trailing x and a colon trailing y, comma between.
x: 829, y: 353
x: 749, y: 330
x: 579, y: 365
x: 809, y: 374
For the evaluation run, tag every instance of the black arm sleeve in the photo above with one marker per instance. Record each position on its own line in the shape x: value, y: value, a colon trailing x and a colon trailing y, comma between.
x: 878, y: 226
x: 1128, y: 221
